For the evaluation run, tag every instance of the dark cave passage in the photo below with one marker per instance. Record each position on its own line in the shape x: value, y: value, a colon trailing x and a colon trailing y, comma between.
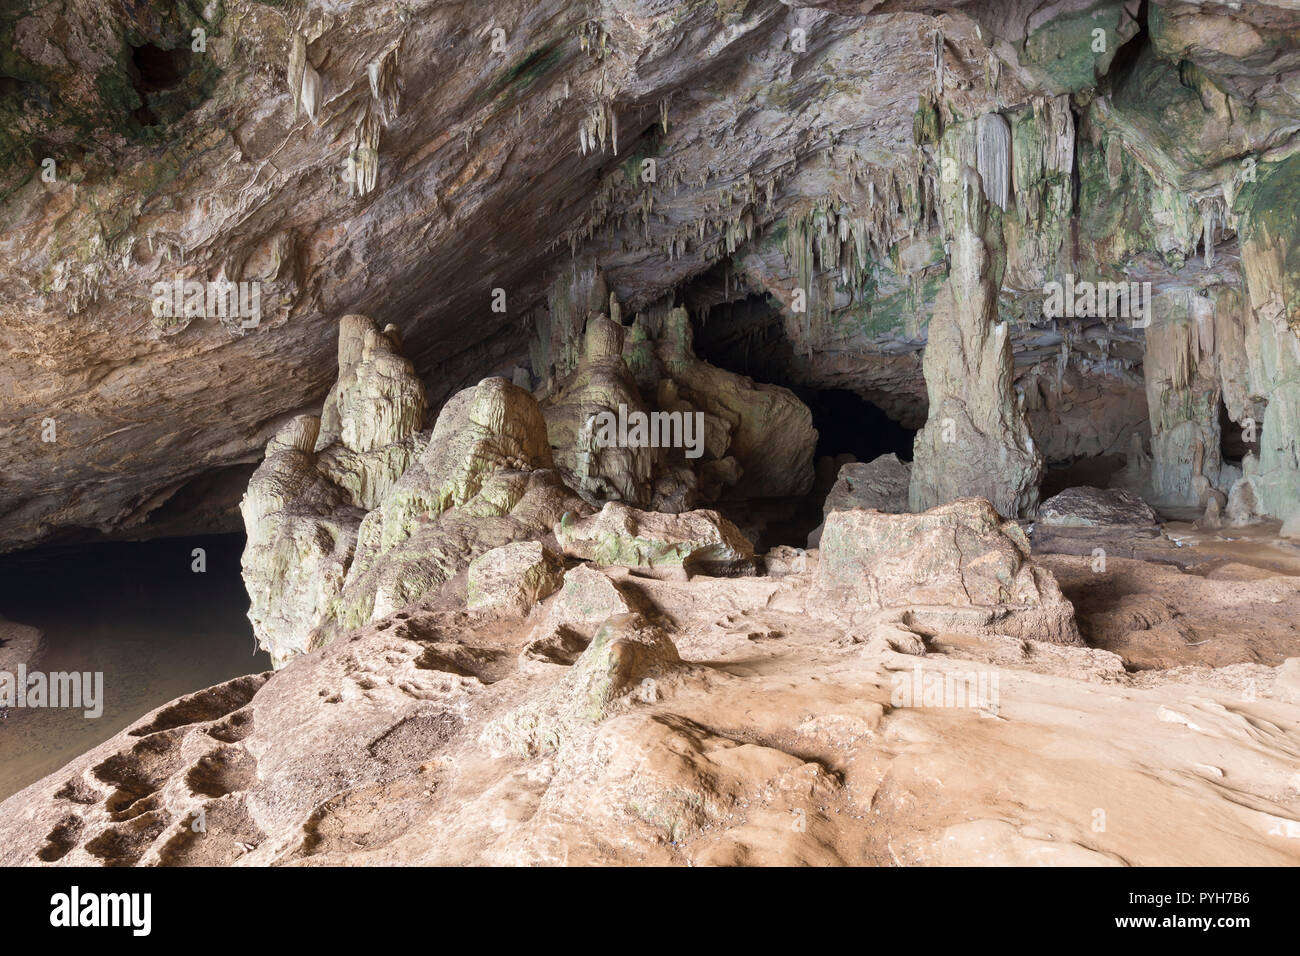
x: 848, y: 424
x: 746, y: 335
x: 136, y: 612
x: 1237, y: 439
x: 169, y: 82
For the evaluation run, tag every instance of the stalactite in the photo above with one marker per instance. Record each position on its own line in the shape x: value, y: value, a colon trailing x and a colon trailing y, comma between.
x: 382, y: 74
x: 311, y: 91
x: 364, y: 159
x: 993, y: 158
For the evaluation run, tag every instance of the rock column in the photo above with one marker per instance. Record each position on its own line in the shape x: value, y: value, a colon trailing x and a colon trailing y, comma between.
x: 976, y: 440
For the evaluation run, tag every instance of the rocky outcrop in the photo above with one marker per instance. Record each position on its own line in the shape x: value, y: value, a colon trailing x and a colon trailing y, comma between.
x: 636, y: 417
x: 306, y: 501
x: 961, y: 558
x: 700, y: 542
x: 319, y: 521
x: 878, y: 485
x: 302, y: 533
x: 601, y: 384
x: 701, y: 732
x: 771, y: 436
x: 625, y: 657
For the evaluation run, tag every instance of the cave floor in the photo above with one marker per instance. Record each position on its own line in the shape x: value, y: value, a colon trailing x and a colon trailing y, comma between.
x: 780, y: 739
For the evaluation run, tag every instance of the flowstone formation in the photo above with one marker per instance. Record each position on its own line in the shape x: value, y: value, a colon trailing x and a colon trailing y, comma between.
x: 306, y: 501
x: 326, y: 505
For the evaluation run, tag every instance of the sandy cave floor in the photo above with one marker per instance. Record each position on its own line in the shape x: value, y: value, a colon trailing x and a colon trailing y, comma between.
x: 1174, y: 741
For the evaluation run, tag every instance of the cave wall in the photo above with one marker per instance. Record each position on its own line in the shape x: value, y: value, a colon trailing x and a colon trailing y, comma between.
x: 405, y: 161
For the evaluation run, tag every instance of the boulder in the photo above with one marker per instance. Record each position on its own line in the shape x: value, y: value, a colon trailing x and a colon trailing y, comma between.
x: 700, y: 541
x: 587, y: 596
x: 1115, y: 521
x: 514, y: 576
x: 1097, y: 508
x: 879, y: 485
x: 961, y: 556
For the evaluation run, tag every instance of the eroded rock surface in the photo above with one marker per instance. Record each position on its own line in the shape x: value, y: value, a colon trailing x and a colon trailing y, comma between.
x: 437, y: 736
x: 697, y: 541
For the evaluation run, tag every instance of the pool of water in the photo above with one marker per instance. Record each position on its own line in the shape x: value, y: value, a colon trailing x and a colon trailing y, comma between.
x: 138, y: 613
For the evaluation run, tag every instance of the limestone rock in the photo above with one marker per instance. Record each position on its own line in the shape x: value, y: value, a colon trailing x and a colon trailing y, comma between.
x: 709, y: 429
x: 305, y: 503
x: 372, y: 418
x: 772, y: 436
x: 1087, y: 507
x: 484, y: 480
x: 961, y: 555
x: 302, y: 532
x: 588, y: 596
x: 879, y: 485
x: 701, y: 542
x: 600, y: 383
x: 976, y: 440
x: 1286, y: 685
x: 626, y: 652
x: 514, y: 576
x: 1212, y: 520
x: 1183, y: 397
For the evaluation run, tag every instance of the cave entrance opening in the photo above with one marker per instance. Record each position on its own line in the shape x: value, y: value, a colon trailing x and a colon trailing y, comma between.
x: 140, y: 614
x: 848, y: 424
x: 745, y: 333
